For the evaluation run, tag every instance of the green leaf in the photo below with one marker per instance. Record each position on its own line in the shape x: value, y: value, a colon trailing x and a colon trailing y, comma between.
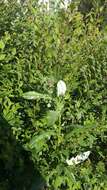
x: 2, y: 45
x: 39, y: 141
x: 13, y: 51
x: 2, y: 56
x: 32, y: 95
x: 52, y: 117
x: 59, y: 180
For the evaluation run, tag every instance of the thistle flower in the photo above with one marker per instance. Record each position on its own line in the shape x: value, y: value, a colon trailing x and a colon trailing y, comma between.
x: 61, y: 88
x: 78, y: 159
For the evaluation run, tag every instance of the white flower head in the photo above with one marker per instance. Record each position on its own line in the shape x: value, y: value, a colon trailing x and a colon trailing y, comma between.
x: 61, y: 88
x: 78, y: 159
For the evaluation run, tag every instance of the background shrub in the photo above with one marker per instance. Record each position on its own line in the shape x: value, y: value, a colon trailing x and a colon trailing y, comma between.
x: 38, y: 48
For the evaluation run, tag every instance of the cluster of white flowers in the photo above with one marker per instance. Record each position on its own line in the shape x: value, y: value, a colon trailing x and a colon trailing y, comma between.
x: 48, y: 3
x: 65, y: 4
x: 44, y: 2
x: 79, y: 158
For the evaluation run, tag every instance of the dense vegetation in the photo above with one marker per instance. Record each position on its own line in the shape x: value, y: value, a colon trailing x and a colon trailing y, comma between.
x: 38, y: 130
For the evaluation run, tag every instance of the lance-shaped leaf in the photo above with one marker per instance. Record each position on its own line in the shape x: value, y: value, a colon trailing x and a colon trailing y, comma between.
x: 38, y: 142
x: 2, y: 45
x: 52, y: 117
x: 32, y: 95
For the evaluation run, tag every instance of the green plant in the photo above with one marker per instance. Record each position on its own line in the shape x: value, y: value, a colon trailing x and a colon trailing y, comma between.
x: 37, y: 49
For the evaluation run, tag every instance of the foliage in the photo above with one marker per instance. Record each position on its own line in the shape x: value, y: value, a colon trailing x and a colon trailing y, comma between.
x: 37, y: 49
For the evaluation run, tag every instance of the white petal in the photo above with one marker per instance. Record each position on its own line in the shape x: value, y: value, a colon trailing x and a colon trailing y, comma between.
x: 79, y: 158
x: 61, y: 88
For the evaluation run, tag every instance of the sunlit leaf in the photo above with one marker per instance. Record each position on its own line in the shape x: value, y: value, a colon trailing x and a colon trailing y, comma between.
x: 32, y: 95
x: 2, y: 45
x: 2, y: 57
x: 52, y: 117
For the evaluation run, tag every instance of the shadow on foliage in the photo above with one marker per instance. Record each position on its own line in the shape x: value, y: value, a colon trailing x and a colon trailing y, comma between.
x: 17, y: 171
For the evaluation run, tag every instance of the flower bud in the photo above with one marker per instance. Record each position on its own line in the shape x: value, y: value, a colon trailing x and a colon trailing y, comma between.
x: 61, y: 88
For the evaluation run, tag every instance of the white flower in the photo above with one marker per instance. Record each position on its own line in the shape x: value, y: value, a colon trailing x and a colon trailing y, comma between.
x: 61, y: 88
x: 79, y: 158
x: 64, y: 4
x: 44, y: 2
